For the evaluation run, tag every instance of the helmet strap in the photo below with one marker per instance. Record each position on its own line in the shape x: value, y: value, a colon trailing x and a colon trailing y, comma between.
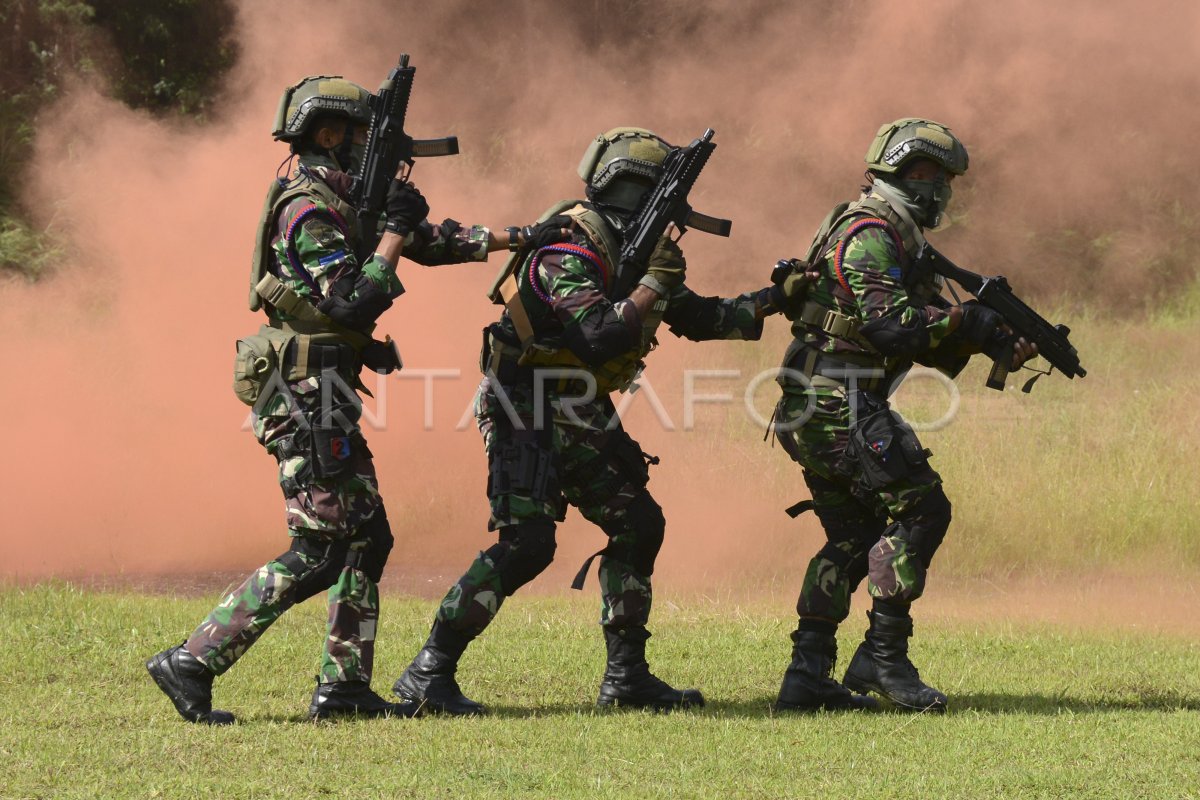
x: 283, y: 173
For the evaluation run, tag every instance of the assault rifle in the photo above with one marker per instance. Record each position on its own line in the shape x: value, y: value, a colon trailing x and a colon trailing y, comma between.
x: 667, y: 203
x: 995, y: 293
x: 388, y: 146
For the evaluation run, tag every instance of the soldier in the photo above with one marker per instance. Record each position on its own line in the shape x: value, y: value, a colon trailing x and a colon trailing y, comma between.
x: 575, y: 330
x: 863, y: 310
x: 321, y: 301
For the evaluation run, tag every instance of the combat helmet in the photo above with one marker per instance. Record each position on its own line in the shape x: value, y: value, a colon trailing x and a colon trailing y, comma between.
x: 901, y: 141
x: 621, y: 164
x: 315, y: 96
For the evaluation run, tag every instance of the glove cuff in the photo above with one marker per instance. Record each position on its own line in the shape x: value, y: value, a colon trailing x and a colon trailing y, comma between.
x: 654, y: 284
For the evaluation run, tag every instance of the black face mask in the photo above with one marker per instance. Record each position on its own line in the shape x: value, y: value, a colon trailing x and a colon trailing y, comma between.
x: 349, y: 155
x: 932, y: 196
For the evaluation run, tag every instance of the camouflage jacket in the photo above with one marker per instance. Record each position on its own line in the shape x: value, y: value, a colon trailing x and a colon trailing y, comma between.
x: 901, y: 316
x: 323, y: 243
x: 571, y: 305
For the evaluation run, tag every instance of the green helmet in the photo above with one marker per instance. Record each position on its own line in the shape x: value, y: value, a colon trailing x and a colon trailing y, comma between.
x: 317, y: 96
x: 621, y: 164
x: 901, y: 141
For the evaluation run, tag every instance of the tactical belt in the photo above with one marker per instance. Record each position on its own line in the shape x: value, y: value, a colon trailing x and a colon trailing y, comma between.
x: 316, y: 357
x: 821, y: 367
x: 307, y: 319
x: 837, y: 325
x: 503, y: 360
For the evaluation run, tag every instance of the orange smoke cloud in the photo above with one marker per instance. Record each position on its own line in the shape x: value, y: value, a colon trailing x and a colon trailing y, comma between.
x: 124, y: 454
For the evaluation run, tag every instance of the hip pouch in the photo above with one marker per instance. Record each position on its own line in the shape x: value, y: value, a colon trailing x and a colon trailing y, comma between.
x: 884, y: 447
x: 523, y: 468
x: 337, y: 443
x: 631, y: 461
x: 255, y: 363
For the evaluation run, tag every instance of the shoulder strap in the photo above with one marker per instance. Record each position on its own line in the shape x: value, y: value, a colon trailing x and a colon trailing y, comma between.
x: 821, y: 239
x: 516, y: 258
x: 910, y: 234
x: 600, y: 233
x: 277, y: 294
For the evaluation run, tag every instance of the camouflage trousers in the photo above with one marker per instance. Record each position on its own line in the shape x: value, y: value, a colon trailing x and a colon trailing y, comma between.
x: 542, y: 457
x: 340, y: 542
x: 886, y: 533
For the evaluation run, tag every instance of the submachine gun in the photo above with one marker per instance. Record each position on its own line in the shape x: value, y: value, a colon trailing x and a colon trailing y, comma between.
x: 667, y: 203
x: 1052, y: 341
x: 388, y: 147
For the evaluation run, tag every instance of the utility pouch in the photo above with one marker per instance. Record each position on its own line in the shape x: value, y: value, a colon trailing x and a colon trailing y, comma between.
x: 253, y: 366
x: 884, y: 448
x: 632, y: 462
x: 522, y: 468
x: 336, y: 441
x: 382, y: 357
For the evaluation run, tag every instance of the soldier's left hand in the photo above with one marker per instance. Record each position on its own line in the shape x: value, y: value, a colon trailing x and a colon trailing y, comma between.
x: 1023, y: 350
x: 406, y: 207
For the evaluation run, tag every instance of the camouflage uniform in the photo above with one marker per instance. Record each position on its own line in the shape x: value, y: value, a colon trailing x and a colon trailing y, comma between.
x: 576, y: 453
x: 340, y: 534
x: 553, y: 439
x: 882, y: 524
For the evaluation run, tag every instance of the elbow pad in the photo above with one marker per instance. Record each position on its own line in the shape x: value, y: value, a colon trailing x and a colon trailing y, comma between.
x: 598, y: 344
x: 696, y: 318
x: 891, y: 338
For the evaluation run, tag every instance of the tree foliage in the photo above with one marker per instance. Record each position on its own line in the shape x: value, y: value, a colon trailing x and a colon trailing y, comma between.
x: 165, y: 56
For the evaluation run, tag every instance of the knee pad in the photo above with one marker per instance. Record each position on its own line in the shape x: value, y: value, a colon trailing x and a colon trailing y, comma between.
x: 637, y: 534
x: 926, y: 523
x: 522, y: 553
x: 372, y: 558
x: 315, y: 563
x: 897, y: 567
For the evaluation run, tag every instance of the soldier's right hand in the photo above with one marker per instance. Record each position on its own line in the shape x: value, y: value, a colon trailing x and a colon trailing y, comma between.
x: 980, y: 324
x: 667, y: 266
x: 406, y: 207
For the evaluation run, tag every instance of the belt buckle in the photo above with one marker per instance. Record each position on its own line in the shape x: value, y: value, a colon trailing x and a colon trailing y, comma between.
x: 827, y: 324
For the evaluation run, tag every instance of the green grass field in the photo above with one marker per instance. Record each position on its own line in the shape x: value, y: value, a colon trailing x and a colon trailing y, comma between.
x: 1037, y: 711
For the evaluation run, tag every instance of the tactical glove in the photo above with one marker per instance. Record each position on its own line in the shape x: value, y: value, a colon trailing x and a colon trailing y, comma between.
x: 406, y: 207
x: 359, y: 311
x: 791, y: 278
x: 980, y: 324
x: 552, y: 231
x: 666, y: 268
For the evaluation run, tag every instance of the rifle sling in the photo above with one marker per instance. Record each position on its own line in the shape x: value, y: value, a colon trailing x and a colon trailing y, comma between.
x: 510, y: 294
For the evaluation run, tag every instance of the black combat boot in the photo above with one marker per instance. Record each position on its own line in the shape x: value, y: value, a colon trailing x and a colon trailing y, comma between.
x: 188, y: 683
x: 881, y: 665
x: 628, y: 681
x: 355, y: 697
x: 807, y: 685
x: 429, y: 680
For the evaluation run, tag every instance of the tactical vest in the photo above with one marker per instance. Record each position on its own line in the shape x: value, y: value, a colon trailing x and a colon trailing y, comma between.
x: 872, y: 210
x: 278, y: 197
x: 309, y: 342
x: 513, y: 290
